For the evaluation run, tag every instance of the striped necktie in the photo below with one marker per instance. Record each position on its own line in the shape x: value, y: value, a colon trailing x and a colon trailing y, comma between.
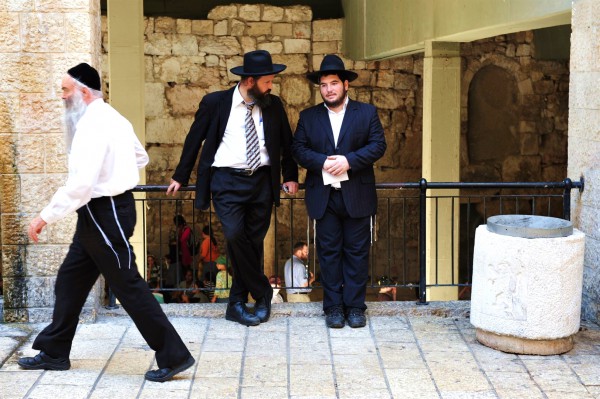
x: 252, y: 149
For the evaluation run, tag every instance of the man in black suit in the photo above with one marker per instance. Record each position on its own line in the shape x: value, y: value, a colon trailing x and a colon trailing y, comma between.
x: 246, y: 144
x: 338, y: 142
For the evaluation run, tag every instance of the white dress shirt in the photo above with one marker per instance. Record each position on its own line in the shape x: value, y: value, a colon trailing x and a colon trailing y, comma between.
x: 336, y: 119
x: 104, y: 161
x: 232, y: 150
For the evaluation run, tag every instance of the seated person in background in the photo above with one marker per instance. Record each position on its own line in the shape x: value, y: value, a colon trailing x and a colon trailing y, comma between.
x: 154, y: 285
x: 275, y: 282
x: 190, y: 291
x: 297, y: 275
x: 209, y: 252
x: 152, y: 268
x: 209, y: 285
x: 171, y: 273
x: 224, y: 281
x: 386, y: 293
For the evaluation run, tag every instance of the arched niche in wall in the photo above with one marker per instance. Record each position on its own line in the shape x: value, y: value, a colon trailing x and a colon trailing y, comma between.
x: 493, y: 116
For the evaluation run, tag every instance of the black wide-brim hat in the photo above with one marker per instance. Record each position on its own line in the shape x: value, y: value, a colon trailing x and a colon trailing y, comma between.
x: 331, y: 64
x: 258, y: 63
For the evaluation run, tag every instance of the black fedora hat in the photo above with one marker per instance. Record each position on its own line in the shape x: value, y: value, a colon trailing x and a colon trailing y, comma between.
x: 258, y: 63
x: 331, y: 64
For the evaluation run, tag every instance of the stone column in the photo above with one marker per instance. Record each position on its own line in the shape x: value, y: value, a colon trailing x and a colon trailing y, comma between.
x: 38, y: 43
x: 584, y: 142
x: 441, y: 150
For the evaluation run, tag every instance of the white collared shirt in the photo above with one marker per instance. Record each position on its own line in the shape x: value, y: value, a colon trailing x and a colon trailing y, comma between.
x: 104, y: 161
x: 336, y: 119
x: 232, y: 150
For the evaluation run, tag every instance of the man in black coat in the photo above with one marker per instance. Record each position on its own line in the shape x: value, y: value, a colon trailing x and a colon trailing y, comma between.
x: 338, y: 142
x: 246, y: 145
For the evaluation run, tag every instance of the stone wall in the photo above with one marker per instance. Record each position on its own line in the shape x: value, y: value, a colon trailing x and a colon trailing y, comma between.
x: 584, y: 142
x: 185, y: 59
x: 514, y: 118
x: 39, y: 41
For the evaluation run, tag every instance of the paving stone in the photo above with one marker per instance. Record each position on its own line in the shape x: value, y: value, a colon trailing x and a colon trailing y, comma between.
x: 508, y: 381
x: 59, y: 391
x: 219, y: 387
x: 15, y: 384
x: 298, y: 357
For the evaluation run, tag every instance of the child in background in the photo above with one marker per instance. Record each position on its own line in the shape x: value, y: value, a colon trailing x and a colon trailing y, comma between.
x: 224, y: 281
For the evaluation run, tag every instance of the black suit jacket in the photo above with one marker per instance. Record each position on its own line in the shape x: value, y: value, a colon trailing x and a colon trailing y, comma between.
x: 209, y: 127
x: 361, y: 141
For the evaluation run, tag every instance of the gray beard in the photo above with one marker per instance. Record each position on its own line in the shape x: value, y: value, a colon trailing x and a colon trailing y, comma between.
x: 74, y: 109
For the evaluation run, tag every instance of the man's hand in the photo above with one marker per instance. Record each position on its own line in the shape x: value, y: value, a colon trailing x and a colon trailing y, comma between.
x: 35, y: 227
x: 173, y: 187
x: 290, y: 187
x: 336, y: 165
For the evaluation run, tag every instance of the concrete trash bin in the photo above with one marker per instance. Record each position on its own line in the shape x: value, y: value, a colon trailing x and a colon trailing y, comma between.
x: 527, y: 283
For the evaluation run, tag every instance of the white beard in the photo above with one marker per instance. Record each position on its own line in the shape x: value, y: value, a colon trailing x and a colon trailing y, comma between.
x: 74, y: 109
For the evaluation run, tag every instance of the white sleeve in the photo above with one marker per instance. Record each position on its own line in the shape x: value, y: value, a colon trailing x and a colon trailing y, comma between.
x: 141, y: 156
x: 85, y: 164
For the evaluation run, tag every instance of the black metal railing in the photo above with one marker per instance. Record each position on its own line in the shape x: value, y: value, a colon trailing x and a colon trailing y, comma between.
x: 399, y: 254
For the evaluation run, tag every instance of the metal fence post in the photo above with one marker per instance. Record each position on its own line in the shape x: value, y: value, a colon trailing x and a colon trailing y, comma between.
x: 422, y: 242
x: 567, y: 199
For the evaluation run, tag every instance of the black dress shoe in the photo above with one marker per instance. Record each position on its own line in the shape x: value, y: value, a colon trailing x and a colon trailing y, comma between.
x: 237, y: 311
x: 162, y: 375
x: 334, y: 317
x: 262, y: 308
x: 41, y: 361
x: 356, y: 318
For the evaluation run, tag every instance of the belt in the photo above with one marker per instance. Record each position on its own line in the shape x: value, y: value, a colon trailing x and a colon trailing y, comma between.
x: 299, y: 293
x: 241, y: 171
x: 336, y: 188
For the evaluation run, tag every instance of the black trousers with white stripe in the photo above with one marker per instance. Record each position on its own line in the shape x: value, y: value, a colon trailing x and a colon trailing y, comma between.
x: 101, y: 245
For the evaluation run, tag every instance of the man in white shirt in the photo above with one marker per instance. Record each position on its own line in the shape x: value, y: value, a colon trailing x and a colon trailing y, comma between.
x: 104, y: 158
x: 297, y: 275
x: 246, y: 141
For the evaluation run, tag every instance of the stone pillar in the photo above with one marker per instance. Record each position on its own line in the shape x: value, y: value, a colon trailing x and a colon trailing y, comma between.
x: 441, y: 150
x: 125, y: 20
x: 584, y: 142
x: 38, y: 43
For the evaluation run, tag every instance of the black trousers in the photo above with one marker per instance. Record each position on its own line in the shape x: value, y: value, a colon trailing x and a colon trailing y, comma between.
x: 101, y: 245
x: 343, y: 251
x: 243, y: 205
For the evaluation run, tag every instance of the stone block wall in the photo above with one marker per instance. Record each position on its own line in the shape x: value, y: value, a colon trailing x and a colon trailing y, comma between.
x: 39, y: 41
x: 186, y: 59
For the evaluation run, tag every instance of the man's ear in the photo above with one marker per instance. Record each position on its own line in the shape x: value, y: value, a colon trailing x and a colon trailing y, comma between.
x: 86, y: 93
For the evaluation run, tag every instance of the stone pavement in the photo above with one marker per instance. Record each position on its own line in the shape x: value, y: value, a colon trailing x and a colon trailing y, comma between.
x: 406, y: 351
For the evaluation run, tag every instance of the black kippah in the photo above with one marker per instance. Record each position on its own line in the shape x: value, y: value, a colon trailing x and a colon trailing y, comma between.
x: 83, y: 73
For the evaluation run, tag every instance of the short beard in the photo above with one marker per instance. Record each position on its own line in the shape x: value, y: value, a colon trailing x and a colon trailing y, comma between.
x: 337, y: 103
x: 263, y: 100
x: 74, y: 109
